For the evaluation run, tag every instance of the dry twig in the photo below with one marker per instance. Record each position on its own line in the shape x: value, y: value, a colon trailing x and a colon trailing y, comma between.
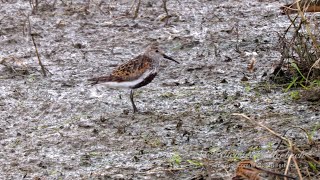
x: 43, y: 69
x: 292, y: 148
x: 247, y: 169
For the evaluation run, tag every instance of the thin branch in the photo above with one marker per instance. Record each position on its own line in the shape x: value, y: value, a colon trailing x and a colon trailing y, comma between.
x: 265, y: 127
x: 165, y: 7
x: 136, y: 12
x: 288, y: 165
x: 297, y: 167
x: 292, y: 147
x: 43, y: 69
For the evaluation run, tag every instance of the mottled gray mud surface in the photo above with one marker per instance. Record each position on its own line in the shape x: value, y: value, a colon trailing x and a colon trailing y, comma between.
x: 61, y: 127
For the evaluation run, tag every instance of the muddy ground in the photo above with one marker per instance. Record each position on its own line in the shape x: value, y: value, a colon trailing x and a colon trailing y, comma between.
x: 61, y: 127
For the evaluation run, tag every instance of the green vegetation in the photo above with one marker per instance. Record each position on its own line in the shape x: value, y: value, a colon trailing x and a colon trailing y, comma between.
x: 299, y: 65
x: 195, y: 163
x: 175, y: 160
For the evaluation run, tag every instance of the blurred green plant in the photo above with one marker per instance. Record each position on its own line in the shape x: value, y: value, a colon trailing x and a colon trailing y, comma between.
x: 195, y: 163
x: 175, y: 159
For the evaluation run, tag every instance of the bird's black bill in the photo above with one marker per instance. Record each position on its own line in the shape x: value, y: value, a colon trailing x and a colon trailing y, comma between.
x: 170, y: 58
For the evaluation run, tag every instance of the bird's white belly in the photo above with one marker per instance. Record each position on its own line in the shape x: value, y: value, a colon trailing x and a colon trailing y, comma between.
x: 129, y: 84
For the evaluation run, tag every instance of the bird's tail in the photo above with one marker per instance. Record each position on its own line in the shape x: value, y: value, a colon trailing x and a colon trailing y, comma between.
x: 94, y: 81
x: 97, y: 80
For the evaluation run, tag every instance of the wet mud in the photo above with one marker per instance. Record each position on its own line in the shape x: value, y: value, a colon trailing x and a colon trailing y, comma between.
x: 62, y: 127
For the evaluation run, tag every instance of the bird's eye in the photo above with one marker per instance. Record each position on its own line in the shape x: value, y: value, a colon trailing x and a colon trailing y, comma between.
x: 157, y: 50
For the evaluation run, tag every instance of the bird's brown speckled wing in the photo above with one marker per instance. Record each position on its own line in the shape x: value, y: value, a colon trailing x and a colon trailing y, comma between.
x: 131, y: 70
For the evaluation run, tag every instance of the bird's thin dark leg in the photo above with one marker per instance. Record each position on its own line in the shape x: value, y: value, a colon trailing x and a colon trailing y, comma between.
x: 132, y: 102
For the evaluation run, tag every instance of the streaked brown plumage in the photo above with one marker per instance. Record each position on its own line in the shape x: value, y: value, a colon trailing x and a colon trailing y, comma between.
x: 131, y: 70
x: 135, y: 73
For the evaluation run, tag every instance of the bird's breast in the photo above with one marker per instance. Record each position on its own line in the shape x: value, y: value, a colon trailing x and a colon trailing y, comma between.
x: 146, y: 80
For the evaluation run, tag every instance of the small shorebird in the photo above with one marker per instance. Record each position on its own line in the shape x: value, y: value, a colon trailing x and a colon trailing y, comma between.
x: 135, y: 73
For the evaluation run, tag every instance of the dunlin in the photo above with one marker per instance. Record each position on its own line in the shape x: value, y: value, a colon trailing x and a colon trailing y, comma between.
x: 135, y: 73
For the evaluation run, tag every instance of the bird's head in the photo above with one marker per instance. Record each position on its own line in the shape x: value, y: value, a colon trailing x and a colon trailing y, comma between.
x: 154, y: 52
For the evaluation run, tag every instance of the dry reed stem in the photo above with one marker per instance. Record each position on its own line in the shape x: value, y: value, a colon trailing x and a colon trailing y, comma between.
x: 288, y: 165
x: 316, y: 65
x: 165, y: 7
x: 43, y: 69
x: 292, y: 148
x: 265, y: 127
x: 136, y: 12
x: 297, y: 167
